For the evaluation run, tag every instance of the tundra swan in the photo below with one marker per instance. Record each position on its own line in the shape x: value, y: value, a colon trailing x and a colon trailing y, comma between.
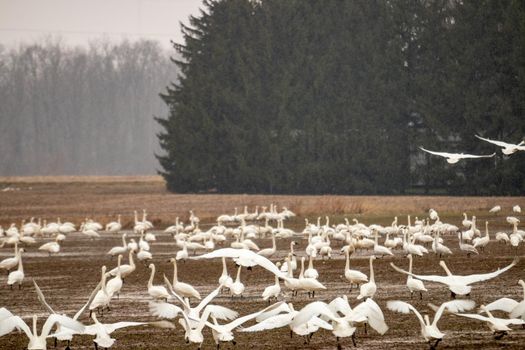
x: 16, y: 276
x: 36, y: 341
x: 125, y: 270
x: 272, y: 291
x: 430, y: 331
x: 453, y: 158
x: 353, y: 276
x: 156, y: 291
x: 114, y: 226
x: 311, y: 272
x: 10, y: 263
x: 368, y: 290
x: 506, y: 148
x: 237, y: 287
x: 512, y: 307
x: 119, y: 249
x: 457, y: 284
x: 309, y: 284
x: 181, y: 288
x: 225, y: 278
x: 114, y: 285
x: 102, y: 297
x: 414, y: 285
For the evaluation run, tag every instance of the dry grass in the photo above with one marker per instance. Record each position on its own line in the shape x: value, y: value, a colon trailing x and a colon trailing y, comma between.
x: 103, y: 197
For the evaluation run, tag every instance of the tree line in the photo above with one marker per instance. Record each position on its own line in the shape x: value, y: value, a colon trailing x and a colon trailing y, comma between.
x: 336, y: 96
x: 81, y: 110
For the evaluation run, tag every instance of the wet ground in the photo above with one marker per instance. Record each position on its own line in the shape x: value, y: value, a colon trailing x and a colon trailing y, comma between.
x: 68, y: 278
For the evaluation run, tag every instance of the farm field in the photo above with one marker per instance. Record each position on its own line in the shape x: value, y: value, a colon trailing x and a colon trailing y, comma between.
x: 68, y: 278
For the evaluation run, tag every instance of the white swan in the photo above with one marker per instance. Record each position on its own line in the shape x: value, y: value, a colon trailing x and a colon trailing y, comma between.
x: 506, y: 148
x: 16, y: 276
x: 114, y: 226
x: 512, y: 307
x: 102, y: 297
x: 457, y: 284
x: 268, y: 252
x: 272, y: 291
x: 309, y: 284
x: 126, y: 269
x: 311, y: 272
x: 498, y: 326
x: 36, y: 341
x: 368, y: 290
x: 225, y: 278
x: 353, y: 276
x: 119, y: 249
x: 453, y: 158
x: 51, y: 247
x: 413, y: 284
x: 9, y: 263
x: 114, y: 285
x: 237, y: 287
x: 430, y: 331
x: 181, y: 288
x: 156, y: 291
x: 481, y: 242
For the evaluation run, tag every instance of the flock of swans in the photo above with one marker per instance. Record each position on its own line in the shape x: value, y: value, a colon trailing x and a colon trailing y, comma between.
x: 506, y: 148
x: 232, y: 239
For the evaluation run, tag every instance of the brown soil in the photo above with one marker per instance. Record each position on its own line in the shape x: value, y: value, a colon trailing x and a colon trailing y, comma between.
x: 68, y: 278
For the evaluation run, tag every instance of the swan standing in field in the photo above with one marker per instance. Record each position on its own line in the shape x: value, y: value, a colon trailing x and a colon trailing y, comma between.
x: 290, y: 282
x: 439, y: 248
x: 309, y: 284
x: 468, y: 248
x: 430, y: 331
x: 237, y: 287
x: 36, y: 341
x: 413, y: 284
x: 16, y: 276
x: 272, y: 291
x: 126, y: 269
x: 517, y: 208
x: 495, y: 209
x: 368, y: 290
x: 310, y: 272
x: 512, y: 307
x: 225, y: 280
x: 114, y: 285
x: 481, y: 242
x: 268, y: 252
x: 181, y: 288
x: 379, y: 249
x: 117, y: 250
x: 293, y: 260
x: 458, y: 285
x: 453, y: 158
x: 155, y: 291
x: 506, y: 148
x: 51, y: 247
x: 9, y: 263
x: 102, y: 297
x: 114, y: 226
x: 353, y: 276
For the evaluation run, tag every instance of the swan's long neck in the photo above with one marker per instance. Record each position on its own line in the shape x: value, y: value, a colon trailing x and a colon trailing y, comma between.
x: 291, y: 248
x: 238, y: 278
x: 35, y: 331
x: 224, y: 269
x: 103, y: 280
x: 347, y: 264
x: 311, y: 263
x: 150, y: 282
x: 20, y: 266
x: 523, y: 286
x: 175, y: 279
x: 274, y: 246
x: 118, y: 264
x: 444, y: 266
x: 290, y: 272
x: 131, y: 262
x: 16, y: 248
x: 124, y: 244
x: 487, y: 229
x: 410, y: 263
x: 372, y: 270
x: 409, y: 222
x: 427, y: 320
x: 118, y: 219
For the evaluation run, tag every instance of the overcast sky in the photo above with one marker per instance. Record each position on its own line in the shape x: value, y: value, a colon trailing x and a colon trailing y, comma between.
x: 78, y: 21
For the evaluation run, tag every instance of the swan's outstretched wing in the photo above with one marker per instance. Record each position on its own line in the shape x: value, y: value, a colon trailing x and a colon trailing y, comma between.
x: 316, y: 321
x: 164, y: 310
x: 111, y: 327
x: 374, y: 315
x: 282, y: 308
x: 453, y: 306
x: 236, y: 323
x: 86, y: 305
x: 486, y: 276
x: 11, y: 323
x: 497, y: 143
x: 273, y: 322
x: 4, y: 313
x: 208, y: 298
x: 404, y: 308
x: 476, y: 156
x: 178, y: 297
x: 430, y: 278
x: 474, y: 316
x: 222, y: 313
x: 248, y: 254
x: 441, y: 154
x: 64, y: 321
x: 42, y: 298
x: 503, y: 304
x: 340, y: 305
x: 315, y: 308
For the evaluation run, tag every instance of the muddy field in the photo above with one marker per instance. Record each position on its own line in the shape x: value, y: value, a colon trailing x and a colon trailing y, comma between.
x: 68, y: 278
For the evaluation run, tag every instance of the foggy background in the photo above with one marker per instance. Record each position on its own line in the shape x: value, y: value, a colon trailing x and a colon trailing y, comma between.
x: 80, y: 83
